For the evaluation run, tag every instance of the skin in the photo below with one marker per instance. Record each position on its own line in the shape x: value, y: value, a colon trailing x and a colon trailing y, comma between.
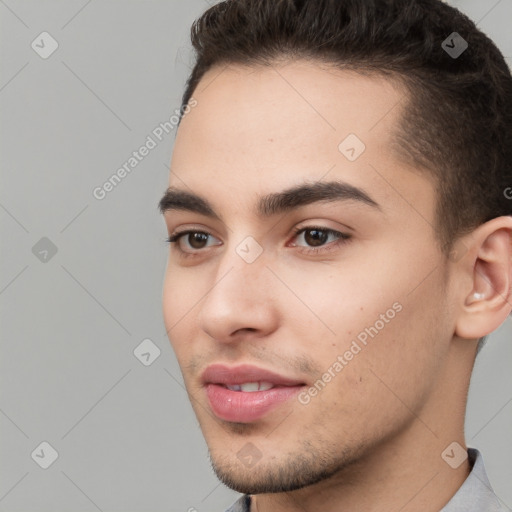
x: 372, y: 438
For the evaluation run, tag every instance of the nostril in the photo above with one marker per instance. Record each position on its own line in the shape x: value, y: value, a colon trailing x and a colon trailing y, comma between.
x: 245, y: 329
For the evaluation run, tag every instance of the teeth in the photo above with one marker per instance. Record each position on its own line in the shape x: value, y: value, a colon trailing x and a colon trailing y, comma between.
x: 249, y: 387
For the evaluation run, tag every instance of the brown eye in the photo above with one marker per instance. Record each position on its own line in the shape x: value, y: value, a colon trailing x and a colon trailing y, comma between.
x: 197, y: 240
x: 315, y: 237
x: 191, y: 241
x: 318, y: 240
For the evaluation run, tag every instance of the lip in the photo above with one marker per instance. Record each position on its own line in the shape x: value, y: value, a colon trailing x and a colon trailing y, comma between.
x: 222, y: 374
x: 246, y: 407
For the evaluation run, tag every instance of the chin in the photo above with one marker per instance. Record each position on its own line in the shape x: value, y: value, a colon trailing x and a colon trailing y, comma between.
x: 281, y: 474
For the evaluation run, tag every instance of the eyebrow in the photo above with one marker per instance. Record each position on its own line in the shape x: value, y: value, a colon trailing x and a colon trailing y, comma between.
x: 274, y: 203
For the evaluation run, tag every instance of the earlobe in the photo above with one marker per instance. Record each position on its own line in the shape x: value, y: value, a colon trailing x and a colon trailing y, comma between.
x: 489, y: 302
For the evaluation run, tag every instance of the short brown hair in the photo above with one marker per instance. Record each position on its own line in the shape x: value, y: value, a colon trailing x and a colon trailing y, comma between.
x: 457, y: 120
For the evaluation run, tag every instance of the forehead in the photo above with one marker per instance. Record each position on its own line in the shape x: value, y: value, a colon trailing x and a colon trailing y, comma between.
x: 263, y: 128
x: 324, y: 98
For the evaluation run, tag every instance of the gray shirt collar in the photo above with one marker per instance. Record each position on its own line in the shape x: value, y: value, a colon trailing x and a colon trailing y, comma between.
x: 474, y: 495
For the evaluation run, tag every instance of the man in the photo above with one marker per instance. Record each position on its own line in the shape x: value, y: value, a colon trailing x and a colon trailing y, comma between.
x: 340, y: 223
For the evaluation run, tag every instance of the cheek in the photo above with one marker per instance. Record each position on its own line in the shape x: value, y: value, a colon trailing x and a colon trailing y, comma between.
x: 400, y: 360
x: 385, y: 325
x: 180, y: 297
x: 369, y: 388
x: 331, y: 301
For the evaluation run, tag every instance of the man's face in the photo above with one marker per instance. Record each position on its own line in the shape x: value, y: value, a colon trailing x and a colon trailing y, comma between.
x: 354, y: 328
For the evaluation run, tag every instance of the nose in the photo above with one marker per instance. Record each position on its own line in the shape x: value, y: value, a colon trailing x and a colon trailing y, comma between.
x: 241, y: 300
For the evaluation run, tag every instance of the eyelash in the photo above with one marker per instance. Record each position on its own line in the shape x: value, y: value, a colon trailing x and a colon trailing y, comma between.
x: 343, y: 238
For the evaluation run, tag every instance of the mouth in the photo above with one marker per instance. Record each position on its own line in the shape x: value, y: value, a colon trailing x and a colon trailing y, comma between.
x: 246, y: 393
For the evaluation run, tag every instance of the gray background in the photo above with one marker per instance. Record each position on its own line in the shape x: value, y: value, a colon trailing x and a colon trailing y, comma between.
x: 125, y: 433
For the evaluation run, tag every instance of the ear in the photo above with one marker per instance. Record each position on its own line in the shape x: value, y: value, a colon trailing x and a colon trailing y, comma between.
x: 486, y: 297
